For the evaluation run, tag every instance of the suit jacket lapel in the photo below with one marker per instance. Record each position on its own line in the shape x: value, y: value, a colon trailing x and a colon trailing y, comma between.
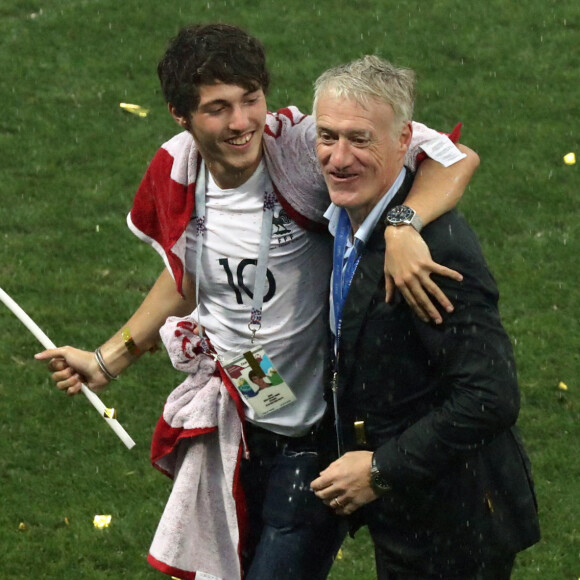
x: 367, y: 276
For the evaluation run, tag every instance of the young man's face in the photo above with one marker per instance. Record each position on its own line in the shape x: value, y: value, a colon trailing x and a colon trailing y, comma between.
x: 227, y: 127
x: 358, y: 152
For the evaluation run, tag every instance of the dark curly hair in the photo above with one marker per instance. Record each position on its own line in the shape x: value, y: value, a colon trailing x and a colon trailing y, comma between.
x: 207, y: 54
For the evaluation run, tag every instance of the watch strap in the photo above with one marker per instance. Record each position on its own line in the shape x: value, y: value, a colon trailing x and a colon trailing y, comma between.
x: 402, y: 215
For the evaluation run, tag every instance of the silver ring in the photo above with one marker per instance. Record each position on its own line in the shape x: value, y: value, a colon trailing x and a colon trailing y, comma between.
x: 337, y: 502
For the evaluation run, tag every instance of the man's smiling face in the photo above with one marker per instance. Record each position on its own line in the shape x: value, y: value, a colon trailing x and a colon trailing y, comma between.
x: 360, y: 151
x: 227, y: 127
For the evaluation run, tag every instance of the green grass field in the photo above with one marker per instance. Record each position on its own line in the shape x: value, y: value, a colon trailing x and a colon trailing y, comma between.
x: 72, y: 160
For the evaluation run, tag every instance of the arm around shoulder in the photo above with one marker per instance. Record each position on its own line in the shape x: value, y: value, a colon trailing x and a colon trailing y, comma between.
x: 438, y: 189
x: 408, y: 264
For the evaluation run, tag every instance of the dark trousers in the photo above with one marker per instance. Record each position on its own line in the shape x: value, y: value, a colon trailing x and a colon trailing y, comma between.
x: 499, y: 569
x: 292, y: 534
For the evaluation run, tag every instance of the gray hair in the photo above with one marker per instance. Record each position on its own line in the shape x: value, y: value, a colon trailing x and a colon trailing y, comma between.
x: 369, y: 78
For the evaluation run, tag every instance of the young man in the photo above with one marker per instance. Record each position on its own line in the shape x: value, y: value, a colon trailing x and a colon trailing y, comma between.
x: 256, y: 259
x: 434, y: 465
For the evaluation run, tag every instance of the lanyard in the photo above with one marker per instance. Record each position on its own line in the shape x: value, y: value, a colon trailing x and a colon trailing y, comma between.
x: 342, y: 275
x: 262, y: 263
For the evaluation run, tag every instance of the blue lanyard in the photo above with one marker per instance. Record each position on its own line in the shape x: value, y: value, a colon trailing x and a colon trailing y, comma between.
x: 342, y: 274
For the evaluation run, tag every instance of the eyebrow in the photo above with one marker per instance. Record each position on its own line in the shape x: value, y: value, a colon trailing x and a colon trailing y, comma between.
x: 222, y: 102
x: 215, y: 102
x: 320, y: 128
x: 351, y: 133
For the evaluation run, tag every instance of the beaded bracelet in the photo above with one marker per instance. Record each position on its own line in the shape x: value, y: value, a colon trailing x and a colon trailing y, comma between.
x: 103, y: 367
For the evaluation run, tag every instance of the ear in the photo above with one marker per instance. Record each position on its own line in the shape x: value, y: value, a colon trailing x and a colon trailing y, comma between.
x: 405, y: 136
x: 181, y: 121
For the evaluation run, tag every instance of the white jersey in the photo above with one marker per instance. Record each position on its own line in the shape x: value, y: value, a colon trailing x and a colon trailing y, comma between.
x: 295, y: 307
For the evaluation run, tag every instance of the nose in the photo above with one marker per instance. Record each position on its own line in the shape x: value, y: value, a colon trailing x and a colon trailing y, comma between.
x: 238, y: 119
x: 341, y: 154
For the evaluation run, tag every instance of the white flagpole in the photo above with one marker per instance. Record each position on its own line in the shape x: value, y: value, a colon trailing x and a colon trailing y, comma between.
x: 47, y: 343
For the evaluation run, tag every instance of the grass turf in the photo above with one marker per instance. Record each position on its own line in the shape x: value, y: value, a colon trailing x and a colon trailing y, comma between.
x: 71, y: 161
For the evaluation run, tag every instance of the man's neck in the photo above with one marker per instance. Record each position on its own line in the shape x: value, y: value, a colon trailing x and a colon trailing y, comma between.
x: 357, y: 219
x: 358, y: 215
x: 228, y: 177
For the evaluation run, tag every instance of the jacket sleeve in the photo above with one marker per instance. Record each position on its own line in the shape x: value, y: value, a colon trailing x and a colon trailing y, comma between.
x: 472, y: 354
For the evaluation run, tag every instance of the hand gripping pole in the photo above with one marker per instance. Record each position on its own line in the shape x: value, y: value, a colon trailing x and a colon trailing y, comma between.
x: 90, y: 395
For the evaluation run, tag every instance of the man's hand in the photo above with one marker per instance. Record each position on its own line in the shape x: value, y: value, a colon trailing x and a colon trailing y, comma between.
x: 71, y: 367
x: 345, y: 485
x: 408, y: 267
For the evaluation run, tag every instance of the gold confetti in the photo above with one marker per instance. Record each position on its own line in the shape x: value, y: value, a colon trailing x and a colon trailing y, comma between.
x: 339, y: 554
x: 18, y: 361
x: 489, y: 502
x: 562, y: 386
x: 110, y: 413
x: 570, y: 158
x: 67, y: 521
x: 134, y: 109
x: 22, y: 527
x: 102, y: 521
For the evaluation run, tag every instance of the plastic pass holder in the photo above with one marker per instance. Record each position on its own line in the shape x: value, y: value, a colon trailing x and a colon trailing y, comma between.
x: 258, y: 382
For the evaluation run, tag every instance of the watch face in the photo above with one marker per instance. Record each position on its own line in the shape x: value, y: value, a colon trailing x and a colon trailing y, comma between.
x: 400, y: 214
x: 378, y: 483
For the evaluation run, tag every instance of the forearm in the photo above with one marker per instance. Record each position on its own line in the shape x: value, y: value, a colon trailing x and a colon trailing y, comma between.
x: 438, y: 189
x: 408, y: 265
x: 162, y: 301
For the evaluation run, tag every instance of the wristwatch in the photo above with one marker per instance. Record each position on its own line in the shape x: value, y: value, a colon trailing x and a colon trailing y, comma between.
x: 402, y: 215
x: 378, y: 483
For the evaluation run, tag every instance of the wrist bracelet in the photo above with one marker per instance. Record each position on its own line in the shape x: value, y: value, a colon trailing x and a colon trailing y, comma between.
x: 129, y: 342
x: 103, y: 367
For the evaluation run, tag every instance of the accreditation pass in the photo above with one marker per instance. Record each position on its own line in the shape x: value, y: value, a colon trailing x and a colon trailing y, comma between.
x: 258, y: 381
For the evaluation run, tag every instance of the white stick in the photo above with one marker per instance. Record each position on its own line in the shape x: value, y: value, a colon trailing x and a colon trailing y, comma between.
x: 47, y: 343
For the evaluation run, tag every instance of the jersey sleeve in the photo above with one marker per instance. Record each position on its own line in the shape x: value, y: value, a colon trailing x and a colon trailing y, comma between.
x: 421, y: 134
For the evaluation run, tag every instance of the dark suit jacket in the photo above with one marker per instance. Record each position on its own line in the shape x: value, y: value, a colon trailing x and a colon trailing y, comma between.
x: 439, y: 405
